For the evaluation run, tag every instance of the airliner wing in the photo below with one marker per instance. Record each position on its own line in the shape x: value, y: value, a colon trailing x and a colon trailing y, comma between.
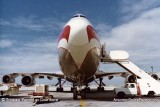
x: 50, y: 75
x: 29, y: 78
x: 101, y: 74
x: 37, y: 74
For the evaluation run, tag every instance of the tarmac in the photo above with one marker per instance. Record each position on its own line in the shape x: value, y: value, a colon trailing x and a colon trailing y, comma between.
x: 93, y: 99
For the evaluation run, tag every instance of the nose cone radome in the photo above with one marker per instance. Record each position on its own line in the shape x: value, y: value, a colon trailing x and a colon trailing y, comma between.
x: 78, y: 31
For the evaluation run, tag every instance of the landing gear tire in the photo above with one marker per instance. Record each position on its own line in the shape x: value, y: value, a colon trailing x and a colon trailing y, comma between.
x: 59, y: 89
x: 75, y: 93
x: 100, y: 89
x: 83, y: 94
x: 72, y: 88
x: 87, y: 89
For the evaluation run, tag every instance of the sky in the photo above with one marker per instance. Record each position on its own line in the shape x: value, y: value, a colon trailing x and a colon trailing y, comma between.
x: 29, y: 30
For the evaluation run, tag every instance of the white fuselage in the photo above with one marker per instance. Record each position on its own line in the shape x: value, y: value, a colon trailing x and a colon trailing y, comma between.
x: 79, y: 50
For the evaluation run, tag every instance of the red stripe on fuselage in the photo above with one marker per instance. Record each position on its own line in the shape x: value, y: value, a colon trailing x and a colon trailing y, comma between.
x: 91, y: 33
x: 65, y: 33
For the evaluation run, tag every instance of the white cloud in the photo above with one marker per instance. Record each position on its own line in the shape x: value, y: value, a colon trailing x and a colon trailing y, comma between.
x: 138, y: 32
x: 103, y: 30
x: 28, y: 63
x: 4, y: 43
x: 36, y: 56
x: 33, y: 23
x: 140, y: 37
x: 4, y: 22
x: 134, y: 8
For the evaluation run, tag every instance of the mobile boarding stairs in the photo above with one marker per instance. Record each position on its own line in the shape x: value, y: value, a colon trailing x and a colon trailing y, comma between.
x: 121, y: 58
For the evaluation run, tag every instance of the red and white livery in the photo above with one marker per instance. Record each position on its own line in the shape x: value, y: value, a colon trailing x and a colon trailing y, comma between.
x: 79, y: 49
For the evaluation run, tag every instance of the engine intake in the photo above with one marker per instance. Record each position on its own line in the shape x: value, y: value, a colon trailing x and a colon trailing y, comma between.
x: 155, y: 76
x: 131, y: 79
x: 28, y: 80
x: 8, y: 79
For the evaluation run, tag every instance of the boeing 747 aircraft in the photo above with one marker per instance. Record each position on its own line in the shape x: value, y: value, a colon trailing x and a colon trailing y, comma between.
x: 80, y: 53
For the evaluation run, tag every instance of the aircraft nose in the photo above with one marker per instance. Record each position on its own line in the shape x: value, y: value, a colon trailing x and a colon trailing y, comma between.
x: 78, y: 31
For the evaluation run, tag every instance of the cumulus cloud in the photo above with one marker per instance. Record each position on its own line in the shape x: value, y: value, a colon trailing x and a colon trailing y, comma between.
x: 36, y: 56
x: 28, y: 63
x: 134, y: 8
x: 140, y: 37
x: 138, y: 33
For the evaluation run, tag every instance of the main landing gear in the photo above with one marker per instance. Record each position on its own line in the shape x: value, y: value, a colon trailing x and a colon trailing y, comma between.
x: 100, y: 88
x: 75, y: 93
x: 60, y: 88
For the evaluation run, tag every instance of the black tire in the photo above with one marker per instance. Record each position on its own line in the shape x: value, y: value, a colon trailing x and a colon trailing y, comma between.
x: 72, y: 88
x: 2, y: 93
x: 87, y: 89
x: 151, y: 94
x: 75, y: 94
x: 101, y: 89
x: 121, y: 95
x: 59, y: 89
x: 83, y: 94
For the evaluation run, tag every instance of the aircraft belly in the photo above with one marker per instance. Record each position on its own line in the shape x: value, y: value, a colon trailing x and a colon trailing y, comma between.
x: 88, y: 67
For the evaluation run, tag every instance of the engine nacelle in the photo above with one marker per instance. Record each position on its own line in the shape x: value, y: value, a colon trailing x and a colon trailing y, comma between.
x: 155, y: 76
x: 8, y: 79
x: 28, y: 80
x: 50, y: 78
x: 131, y: 79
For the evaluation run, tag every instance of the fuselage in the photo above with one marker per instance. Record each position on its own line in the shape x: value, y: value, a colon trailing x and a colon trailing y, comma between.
x: 79, y: 50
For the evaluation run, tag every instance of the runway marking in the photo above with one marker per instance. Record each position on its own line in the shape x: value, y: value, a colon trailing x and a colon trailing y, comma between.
x: 82, y: 103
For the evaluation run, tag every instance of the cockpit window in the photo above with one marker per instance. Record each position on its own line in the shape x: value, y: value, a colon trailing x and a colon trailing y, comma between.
x: 82, y: 16
x: 75, y: 16
x: 79, y: 15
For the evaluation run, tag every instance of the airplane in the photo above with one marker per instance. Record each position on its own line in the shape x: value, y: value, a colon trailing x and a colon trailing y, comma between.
x: 80, y: 53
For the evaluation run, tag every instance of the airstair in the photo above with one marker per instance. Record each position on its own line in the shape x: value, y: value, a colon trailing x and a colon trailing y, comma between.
x: 122, y: 59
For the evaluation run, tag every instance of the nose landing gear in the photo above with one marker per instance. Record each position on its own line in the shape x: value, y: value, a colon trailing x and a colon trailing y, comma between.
x: 80, y: 92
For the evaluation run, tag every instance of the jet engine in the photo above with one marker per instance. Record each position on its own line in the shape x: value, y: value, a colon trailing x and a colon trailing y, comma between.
x: 155, y: 76
x: 28, y: 80
x: 8, y: 79
x: 131, y: 79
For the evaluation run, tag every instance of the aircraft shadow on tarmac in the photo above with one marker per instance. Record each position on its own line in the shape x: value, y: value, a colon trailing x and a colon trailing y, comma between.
x: 105, y: 96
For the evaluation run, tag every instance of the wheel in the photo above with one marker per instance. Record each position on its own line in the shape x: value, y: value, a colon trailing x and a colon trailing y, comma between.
x: 2, y: 93
x: 83, y: 94
x: 121, y: 95
x: 100, y: 89
x: 75, y: 94
x: 72, y: 88
x: 151, y: 94
x: 87, y: 89
x: 59, y: 89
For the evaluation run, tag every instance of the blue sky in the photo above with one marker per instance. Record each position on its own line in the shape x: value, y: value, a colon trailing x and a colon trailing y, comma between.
x: 29, y: 30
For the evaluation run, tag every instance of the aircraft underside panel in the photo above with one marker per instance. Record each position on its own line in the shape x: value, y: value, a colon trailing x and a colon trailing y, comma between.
x: 87, y: 69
